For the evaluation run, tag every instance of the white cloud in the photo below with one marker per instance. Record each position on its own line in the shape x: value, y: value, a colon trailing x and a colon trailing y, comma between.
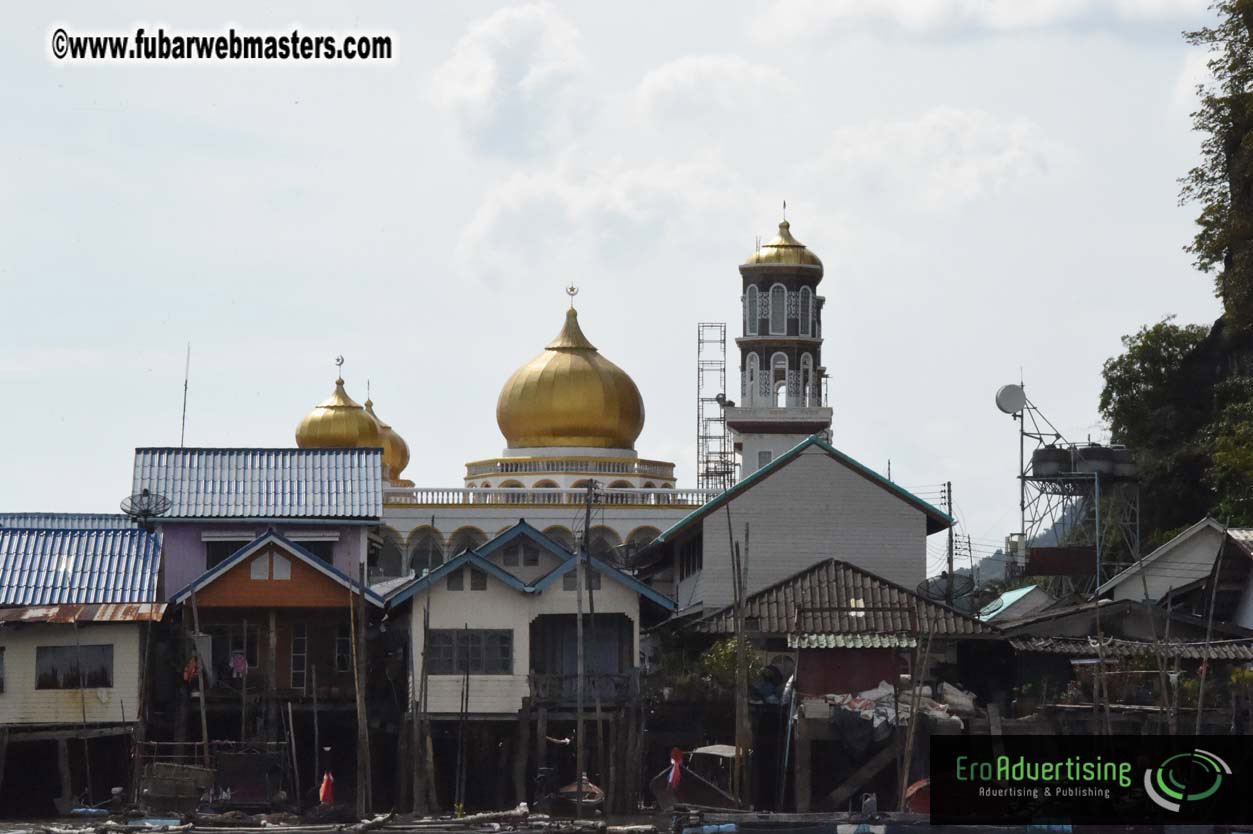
x: 513, y: 81
x: 1193, y: 72
x: 944, y: 158
x: 697, y: 87
x: 790, y: 19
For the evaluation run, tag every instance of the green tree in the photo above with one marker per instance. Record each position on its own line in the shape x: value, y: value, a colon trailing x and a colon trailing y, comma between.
x: 1223, y: 181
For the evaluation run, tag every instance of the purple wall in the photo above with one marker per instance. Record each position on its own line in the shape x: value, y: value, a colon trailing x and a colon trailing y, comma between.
x: 183, y: 556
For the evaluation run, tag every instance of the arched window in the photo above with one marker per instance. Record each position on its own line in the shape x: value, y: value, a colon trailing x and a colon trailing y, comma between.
x: 637, y: 540
x: 603, y: 543
x: 778, y: 379
x: 807, y: 380
x: 562, y: 536
x: 752, y: 369
x: 387, y: 557
x: 511, y: 485
x: 751, y: 316
x: 426, y: 550
x: 466, y: 538
x: 806, y: 312
x: 778, y: 310
x: 547, y: 497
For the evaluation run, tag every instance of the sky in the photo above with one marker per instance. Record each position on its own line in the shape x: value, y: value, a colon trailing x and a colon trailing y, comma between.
x: 991, y: 185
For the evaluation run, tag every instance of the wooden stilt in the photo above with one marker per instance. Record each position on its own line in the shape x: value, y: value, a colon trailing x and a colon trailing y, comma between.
x: 801, y: 777
x: 521, y: 751
x: 357, y: 602
x: 4, y: 751
x: 63, y: 768
x: 200, y: 662
x: 541, y: 737
x: 504, y: 747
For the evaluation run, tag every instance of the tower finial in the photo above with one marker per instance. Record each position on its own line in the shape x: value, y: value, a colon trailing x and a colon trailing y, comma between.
x: 572, y: 291
x: 785, y: 211
x: 339, y: 367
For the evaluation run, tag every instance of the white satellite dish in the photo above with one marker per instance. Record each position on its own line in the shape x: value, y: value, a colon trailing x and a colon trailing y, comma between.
x: 1010, y: 399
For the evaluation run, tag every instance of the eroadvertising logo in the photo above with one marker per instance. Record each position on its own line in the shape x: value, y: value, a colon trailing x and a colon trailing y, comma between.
x: 1089, y: 780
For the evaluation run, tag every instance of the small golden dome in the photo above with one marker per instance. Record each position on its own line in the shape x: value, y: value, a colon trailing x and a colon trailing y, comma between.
x: 570, y: 395
x: 784, y: 249
x: 338, y: 423
x: 395, y: 449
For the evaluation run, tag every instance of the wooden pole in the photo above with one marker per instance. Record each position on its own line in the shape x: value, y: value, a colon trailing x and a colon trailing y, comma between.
x: 523, y: 749
x: 420, y: 774
x: 802, y: 785
x: 243, y: 691
x: 579, y: 682
x: 914, y: 704
x: 82, y: 701
x: 295, y: 762
x: 1209, y: 629
x: 356, y: 603
x: 200, y: 661
x: 317, y: 741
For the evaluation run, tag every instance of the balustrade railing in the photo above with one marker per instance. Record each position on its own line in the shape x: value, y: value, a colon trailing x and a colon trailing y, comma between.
x: 592, y: 467
x: 480, y: 496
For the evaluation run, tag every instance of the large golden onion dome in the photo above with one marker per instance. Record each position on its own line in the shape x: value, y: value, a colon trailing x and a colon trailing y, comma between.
x: 395, y: 449
x: 338, y: 423
x: 570, y: 395
x: 785, y: 250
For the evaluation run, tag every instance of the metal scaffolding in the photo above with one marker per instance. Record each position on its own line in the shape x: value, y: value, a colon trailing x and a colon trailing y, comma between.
x: 715, y: 456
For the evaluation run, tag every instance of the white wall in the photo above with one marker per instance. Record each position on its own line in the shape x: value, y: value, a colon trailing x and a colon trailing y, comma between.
x: 492, y: 520
x: 502, y: 607
x: 21, y: 703
x: 813, y: 509
x: 1187, y: 561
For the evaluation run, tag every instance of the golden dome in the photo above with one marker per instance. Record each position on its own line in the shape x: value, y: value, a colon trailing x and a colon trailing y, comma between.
x: 338, y: 423
x: 395, y: 449
x: 784, y: 249
x: 570, y: 395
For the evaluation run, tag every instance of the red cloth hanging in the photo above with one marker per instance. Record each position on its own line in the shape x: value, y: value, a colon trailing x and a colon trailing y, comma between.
x: 676, y: 764
x: 326, y: 794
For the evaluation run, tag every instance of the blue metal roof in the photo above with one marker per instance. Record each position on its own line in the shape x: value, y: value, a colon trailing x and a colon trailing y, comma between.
x: 67, y: 521
x: 264, y: 483
x: 55, y: 567
x: 286, y: 544
x: 1004, y: 601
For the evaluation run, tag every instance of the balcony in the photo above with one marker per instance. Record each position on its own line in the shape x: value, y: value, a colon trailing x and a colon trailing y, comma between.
x: 562, y: 690
x: 528, y: 496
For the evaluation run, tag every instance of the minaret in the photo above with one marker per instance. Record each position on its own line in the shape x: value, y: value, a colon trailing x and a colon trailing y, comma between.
x: 781, y: 370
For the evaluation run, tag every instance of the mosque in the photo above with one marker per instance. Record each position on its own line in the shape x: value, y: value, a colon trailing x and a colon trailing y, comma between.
x: 570, y: 417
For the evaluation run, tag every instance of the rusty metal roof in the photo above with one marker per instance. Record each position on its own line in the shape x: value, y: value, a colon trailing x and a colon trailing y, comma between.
x: 836, y: 598
x: 1087, y: 647
x: 56, y: 567
x: 107, y: 613
x: 67, y: 521
x: 264, y: 483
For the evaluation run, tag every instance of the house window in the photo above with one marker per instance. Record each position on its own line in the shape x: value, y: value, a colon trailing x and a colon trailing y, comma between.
x: 530, y: 555
x: 806, y: 312
x: 259, y: 568
x: 750, y: 314
x: 764, y: 458
x: 591, y: 580
x: 778, y: 309
x: 219, y: 550
x: 510, y: 557
x: 324, y: 550
x: 299, y: 655
x: 1, y: 669
x: 478, y: 580
x: 691, y: 557
x: 343, y: 648
x: 456, y: 580
x: 74, y: 667
x: 479, y: 651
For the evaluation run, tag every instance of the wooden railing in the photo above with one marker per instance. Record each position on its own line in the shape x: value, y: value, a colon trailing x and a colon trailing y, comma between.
x: 563, y: 689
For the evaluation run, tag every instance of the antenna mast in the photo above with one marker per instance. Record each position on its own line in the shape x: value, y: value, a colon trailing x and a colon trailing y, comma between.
x: 182, y: 432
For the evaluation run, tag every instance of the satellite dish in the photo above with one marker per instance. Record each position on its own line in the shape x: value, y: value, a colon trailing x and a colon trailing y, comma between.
x: 988, y: 599
x: 937, y: 587
x: 1010, y: 398
x: 143, y: 506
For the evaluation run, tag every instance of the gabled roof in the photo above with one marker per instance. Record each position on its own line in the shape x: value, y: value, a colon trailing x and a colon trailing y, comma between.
x: 612, y: 573
x: 522, y: 530
x: 835, y: 599
x: 287, y: 545
x: 56, y: 567
x: 1242, y: 537
x: 466, y: 557
x: 264, y: 483
x: 936, y: 519
x: 66, y: 521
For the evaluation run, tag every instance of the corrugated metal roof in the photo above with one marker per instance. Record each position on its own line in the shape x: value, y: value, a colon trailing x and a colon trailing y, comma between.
x: 66, y: 521
x: 834, y: 597
x: 108, y: 613
x: 1005, y: 600
x: 55, y: 567
x: 264, y: 483
x: 1087, y: 647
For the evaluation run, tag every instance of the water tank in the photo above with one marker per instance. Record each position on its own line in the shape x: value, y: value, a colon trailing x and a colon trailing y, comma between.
x: 1049, y: 461
x: 1124, y: 463
x: 1094, y: 459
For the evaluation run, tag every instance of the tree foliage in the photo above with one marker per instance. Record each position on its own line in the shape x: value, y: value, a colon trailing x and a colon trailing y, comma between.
x: 1223, y: 181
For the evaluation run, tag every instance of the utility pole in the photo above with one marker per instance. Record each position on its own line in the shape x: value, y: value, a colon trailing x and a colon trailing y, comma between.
x: 578, y: 687
x: 948, y: 503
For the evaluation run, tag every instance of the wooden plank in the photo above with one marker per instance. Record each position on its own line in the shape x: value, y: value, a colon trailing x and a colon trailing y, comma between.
x: 864, y: 774
x: 75, y: 732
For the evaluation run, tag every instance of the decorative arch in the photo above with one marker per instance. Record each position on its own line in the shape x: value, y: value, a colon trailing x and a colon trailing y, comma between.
x: 778, y: 379
x: 638, y: 539
x: 546, y: 497
x: 388, y: 557
x: 546, y: 484
x: 561, y: 535
x: 511, y: 484
x: 486, y: 485
x: 425, y: 549
x: 465, y: 538
x: 649, y: 485
x: 806, y: 312
x: 778, y: 310
x: 603, y: 542
x: 809, y: 392
x: 751, y: 314
x: 752, y: 371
